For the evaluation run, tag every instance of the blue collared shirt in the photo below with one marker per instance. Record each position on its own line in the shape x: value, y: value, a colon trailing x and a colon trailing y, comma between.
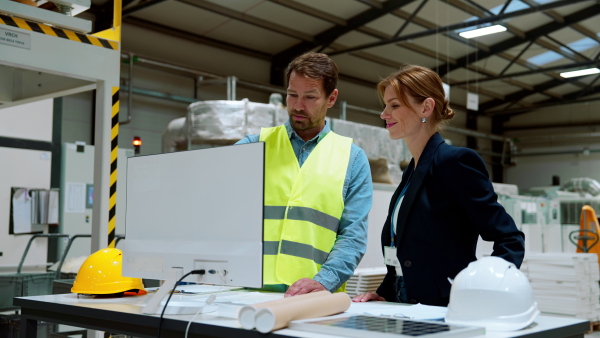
x: 351, y: 243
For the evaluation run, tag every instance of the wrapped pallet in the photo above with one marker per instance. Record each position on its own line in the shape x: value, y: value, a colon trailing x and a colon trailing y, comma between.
x: 221, y: 122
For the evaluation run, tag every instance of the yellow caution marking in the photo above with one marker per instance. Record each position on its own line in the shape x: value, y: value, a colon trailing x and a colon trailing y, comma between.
x: 48, y: 30
x: 71, y: 35
x: 94, y: 40
x: 22, y: 24
x: 57, y: 32
x: 114, y: 152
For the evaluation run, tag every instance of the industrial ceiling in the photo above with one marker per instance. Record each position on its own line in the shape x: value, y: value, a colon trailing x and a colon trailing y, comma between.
x: 513, y: 72
x: 515, y: 75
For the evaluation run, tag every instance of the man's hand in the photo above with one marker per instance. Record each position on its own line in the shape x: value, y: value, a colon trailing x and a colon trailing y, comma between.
x: 365, y: 297
x: 302, y: 286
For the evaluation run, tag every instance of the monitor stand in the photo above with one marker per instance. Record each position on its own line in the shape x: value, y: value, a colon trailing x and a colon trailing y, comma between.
x: 178, y: 304
x: 188, y: 305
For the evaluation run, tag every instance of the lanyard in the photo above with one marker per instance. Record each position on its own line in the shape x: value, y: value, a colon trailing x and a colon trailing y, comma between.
x: 393, y: 220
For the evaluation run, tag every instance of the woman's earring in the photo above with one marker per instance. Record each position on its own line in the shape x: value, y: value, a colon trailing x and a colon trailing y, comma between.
x: 424, y: 120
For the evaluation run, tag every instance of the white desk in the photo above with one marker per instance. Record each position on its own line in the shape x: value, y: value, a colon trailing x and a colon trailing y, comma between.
x: 123, y: 315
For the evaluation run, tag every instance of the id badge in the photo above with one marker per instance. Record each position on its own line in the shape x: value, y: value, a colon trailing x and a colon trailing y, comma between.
x: 390, y: 256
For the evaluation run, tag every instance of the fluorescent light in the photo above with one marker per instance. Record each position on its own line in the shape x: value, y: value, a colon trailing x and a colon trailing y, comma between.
x: 482, y: 31
x: 581, y: 72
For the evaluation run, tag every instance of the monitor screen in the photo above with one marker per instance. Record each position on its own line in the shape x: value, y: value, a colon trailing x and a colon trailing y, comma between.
x: 196, y: 210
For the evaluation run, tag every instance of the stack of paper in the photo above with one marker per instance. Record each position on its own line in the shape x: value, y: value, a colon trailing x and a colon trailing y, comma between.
x: 365, y: 280
x: 565, y: 283
x: 399, y: 310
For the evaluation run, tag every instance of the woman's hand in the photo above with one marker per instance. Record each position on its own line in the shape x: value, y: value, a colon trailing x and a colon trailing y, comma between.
x: 365, y: 297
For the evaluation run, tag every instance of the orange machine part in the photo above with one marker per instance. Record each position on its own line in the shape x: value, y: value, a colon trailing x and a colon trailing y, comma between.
x: 588, y: 221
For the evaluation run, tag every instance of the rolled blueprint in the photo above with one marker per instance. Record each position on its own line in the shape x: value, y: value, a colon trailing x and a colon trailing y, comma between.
x: 278, y: 316
x: 247, y: 313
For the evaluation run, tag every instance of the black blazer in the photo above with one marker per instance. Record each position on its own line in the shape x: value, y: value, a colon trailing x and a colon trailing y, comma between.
x: 449, y: 202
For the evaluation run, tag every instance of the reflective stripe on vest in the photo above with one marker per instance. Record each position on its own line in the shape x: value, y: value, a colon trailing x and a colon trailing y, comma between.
x: 303, y: 206
x: 302, y: 214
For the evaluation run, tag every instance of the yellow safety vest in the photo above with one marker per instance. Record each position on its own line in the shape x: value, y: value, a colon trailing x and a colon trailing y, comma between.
x: 303, y: 206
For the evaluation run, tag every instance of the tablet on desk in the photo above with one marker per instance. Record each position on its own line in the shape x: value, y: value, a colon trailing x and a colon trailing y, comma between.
x: 360, y: 326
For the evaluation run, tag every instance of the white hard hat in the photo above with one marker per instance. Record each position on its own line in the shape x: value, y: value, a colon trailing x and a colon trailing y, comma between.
x: 493, y: 293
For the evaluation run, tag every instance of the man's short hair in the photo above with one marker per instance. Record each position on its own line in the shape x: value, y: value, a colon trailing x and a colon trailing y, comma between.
x: 315, y: 66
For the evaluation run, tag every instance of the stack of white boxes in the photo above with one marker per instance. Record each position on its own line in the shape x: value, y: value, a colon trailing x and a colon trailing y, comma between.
x: 365, y: 280
x: 565, y: 283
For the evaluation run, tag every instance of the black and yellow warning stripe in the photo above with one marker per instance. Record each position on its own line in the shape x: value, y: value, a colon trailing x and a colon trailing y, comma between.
x: 57, y: 32
x: 114, y: 153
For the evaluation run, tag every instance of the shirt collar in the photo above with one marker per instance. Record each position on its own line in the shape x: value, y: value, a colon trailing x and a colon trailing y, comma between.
x: 292, y: 133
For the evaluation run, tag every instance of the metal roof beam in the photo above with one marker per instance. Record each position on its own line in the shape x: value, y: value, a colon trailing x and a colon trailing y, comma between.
x: 533, y: 34
x: 281, y: 60
x: 571, y: 54
x: 410, y: 19
x: 241, y: 16
x: 516, y: 57
x: 333, y: 33
x: 311, y: 11
x: 371, y: 3
x: 459, y: 25
x: 558, y: 17
x: 481, y: 8
x: 142, y: 5
x: 531, y: 72
x: 506, y: 4
x: 152, y: 26
x: 566, y: 100
x: 530, y: 35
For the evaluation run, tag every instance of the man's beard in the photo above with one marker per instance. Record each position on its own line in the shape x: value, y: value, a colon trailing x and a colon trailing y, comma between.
x: 301, y: 125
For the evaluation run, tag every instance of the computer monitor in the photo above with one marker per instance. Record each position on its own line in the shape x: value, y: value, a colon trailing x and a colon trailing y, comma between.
x: 195, y: 210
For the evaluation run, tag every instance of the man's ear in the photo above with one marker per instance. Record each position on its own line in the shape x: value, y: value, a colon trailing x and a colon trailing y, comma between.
x: 332, y: 98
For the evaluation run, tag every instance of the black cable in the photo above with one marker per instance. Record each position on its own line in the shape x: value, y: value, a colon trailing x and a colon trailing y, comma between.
x: 160, y: 320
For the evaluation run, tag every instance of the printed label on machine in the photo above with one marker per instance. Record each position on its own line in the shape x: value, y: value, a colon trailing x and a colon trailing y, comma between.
x: 17, y: 39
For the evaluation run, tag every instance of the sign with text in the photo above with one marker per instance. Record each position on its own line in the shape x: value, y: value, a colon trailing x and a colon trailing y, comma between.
x: 472, y: 101
x: 17, y: 39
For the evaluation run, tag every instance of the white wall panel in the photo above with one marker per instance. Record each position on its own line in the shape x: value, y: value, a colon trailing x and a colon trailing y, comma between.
x: 32, y: 121
x: 537, y: 171
x: 382, y: 194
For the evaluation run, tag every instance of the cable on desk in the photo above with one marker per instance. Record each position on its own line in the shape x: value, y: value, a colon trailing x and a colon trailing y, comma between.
x: 209, y: 301
x: 160, y: 320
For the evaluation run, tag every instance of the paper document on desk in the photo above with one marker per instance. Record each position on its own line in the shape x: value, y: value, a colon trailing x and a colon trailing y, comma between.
x: 247, y: 298
x: 203, y: 288
x: 228, y: 299
x: 385, y: 309
x: 231, y: 303
x: 200, y: 289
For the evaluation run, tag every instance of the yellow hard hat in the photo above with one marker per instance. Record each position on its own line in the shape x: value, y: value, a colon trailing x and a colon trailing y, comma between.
x: 100, y: 274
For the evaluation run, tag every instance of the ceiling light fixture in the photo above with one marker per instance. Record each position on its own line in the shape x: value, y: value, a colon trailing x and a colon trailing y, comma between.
x: 482, y: 31
x: 580, y: 72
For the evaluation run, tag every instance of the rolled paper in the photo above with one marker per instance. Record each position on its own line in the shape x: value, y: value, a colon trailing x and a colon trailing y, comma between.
x: 278, y: 316
x: 247, y: 313
x: 246, y: 317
